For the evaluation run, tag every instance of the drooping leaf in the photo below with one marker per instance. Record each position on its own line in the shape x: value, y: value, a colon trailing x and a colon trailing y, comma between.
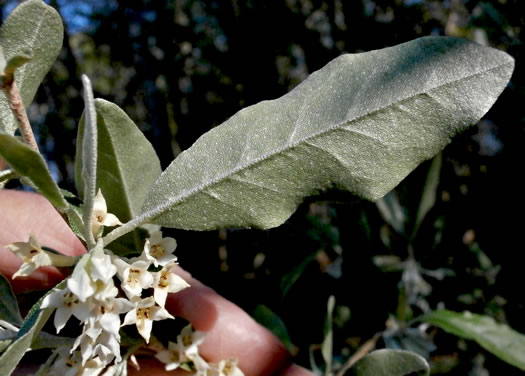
x: 428, y: 197
x: 8, y: 304
x: 499, y: 339
x: 31, y: 327
x: 29, y: 163
x: 127, y: 163
x: 34, y: 29
x: 388, y: 362
x: 361, y: 123
x: 271, y: 321
x: 392, y: 211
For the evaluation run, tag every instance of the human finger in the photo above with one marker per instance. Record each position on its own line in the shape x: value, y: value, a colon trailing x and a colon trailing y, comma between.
x: 25, y: 213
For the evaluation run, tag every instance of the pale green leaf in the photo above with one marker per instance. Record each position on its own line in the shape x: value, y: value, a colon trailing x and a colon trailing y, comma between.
x: 33, y: 29
x: 361, y: 123
x: 31, y: 327
x: 499, y: 339
x: 29, y: 163
x: 8, y: 304
x: 4, y: 344
x: 328, y: 341
x: 127, y: 163
x: 50, y: 341
x: 388, y: 362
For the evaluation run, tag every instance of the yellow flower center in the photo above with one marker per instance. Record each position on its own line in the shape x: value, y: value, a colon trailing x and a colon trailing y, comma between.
x: 157, y: 250
x: 163, y: 280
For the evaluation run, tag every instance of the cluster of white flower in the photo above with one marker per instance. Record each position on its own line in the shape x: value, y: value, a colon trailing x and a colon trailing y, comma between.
x: 92, y: 296
x: 184, y: 354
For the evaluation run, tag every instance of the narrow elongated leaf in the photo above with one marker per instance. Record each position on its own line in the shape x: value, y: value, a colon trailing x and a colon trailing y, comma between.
x: 361, y: 123
x: 127, y: 163
x: 33, y: 29
x: 328, y: 342
x: 387, y: 362
x: 428, y: 196
x: 8, y: 304
x: 89, y: 162
x: 271, y: 321
x: 29, y: 163
x: 498, y: 339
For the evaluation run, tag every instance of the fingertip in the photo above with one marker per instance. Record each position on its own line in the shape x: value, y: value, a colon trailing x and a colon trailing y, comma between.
x: 231, y: 332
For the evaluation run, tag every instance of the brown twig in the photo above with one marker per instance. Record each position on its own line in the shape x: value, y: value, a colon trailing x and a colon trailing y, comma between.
x: 17, y: 106
x: 361, y: 352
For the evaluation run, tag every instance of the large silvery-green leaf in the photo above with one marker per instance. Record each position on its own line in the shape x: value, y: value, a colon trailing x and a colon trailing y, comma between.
x: 361, y: 124
x: 127, y: 163
x: 499, y: 339
x: 33, y: 29
x: 387, y: 362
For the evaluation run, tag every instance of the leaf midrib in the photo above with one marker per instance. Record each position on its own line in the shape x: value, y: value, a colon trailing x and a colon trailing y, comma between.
x: 172, y: 201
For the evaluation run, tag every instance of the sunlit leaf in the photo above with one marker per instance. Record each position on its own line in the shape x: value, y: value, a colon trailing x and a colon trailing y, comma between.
x: 361, y: 123
x: 388, y: 362
x: 8, y: 304
x: 29, y: 163
x: 33, y: 29
x: 499, y: 339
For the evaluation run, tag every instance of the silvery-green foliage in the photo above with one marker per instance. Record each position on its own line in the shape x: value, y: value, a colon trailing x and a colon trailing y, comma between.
x: 361, y: 124
x: 33, y: 29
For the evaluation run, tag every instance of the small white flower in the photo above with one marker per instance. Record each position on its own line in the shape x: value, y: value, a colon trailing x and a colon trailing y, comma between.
x: 108, y: 315
x: 66, y: 304
x: 100, y: 215
x: 190, y: 341
x: 88, y: 339
x: 134, y: 277
x: 166, y: 281
x: 31, y: 254
x: 108, y: 348
x: 172, y: 357
x: 159, y: 250
x: 100, y: 266
x: 229, y: 367
x: 143, y: 316
x: 80, y: 283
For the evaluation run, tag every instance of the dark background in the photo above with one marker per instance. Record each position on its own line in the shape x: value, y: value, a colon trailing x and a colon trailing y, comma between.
x: 179, y: 68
